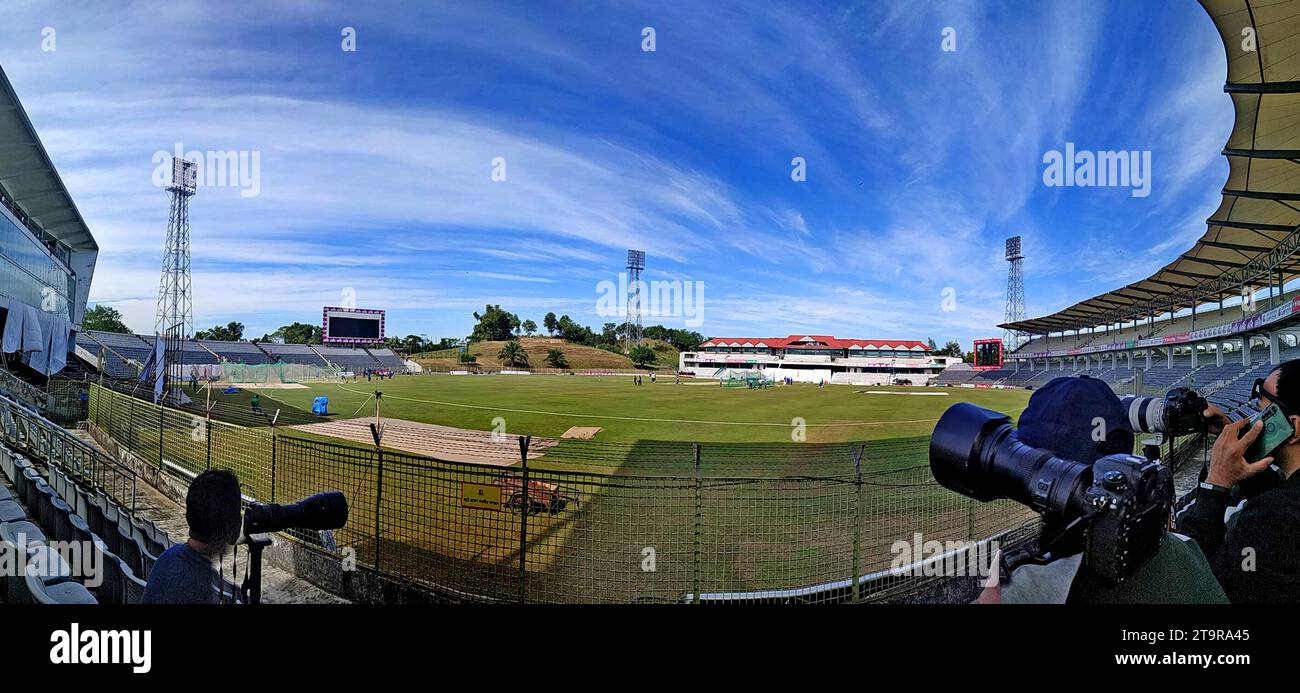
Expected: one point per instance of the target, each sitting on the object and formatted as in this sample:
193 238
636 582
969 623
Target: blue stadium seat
45 569
131 552
67 592
30 533
112 589
12 511
108 531
27 488
133 586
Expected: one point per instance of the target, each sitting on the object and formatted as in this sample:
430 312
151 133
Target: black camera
1115 510
323 511
327 510
1179 413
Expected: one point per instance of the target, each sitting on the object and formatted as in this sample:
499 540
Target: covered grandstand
47 254
1220 313
816 358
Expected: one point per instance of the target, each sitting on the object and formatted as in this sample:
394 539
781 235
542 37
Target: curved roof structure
1251 240
28 178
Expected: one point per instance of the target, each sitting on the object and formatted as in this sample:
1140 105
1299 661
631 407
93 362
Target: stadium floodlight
636 259
185 176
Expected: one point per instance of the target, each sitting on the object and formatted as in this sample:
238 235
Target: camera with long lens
1114 510
327 510
1179 413
323 511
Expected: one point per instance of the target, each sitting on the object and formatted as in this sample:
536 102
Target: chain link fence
687 523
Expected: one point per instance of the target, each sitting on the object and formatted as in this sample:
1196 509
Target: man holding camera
1255 553
1081 419
183 574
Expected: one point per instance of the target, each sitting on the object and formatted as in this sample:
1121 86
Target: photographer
1081 419
1256 553
183 574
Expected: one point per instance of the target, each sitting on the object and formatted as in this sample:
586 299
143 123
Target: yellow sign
480 496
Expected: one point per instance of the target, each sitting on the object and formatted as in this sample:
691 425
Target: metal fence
489 533
67 401
523 532
557 534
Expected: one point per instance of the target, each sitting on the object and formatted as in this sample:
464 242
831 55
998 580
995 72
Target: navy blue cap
1062 414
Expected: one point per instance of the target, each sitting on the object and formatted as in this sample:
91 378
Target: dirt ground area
442 442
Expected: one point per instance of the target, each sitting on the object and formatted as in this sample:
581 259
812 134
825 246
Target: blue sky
375 165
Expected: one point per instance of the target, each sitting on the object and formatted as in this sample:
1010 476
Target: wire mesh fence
680 523
68 401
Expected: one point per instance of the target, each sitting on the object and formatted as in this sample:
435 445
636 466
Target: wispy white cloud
376 166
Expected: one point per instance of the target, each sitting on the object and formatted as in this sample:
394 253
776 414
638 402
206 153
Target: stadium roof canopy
28 178
1251 240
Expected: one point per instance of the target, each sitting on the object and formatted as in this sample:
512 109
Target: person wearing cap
1081 418
1254 544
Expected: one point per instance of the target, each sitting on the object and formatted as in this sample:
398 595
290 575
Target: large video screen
352 326
988 353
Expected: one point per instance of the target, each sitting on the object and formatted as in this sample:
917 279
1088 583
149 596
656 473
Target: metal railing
45 441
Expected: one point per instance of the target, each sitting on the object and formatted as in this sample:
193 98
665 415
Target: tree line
495 324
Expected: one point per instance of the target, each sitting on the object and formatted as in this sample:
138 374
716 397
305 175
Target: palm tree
513 354
555 358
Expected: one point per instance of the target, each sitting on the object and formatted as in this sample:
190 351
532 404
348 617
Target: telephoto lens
974 452
328 510
1179 413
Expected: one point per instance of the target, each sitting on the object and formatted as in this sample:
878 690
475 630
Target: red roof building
816 358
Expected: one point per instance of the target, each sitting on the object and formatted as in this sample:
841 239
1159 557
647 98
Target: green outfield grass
768 513
694 411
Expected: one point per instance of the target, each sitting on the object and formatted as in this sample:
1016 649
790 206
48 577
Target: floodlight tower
632 327
175 321
1015 293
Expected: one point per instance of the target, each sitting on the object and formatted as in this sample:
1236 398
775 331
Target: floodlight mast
1015 311
632 327
175 317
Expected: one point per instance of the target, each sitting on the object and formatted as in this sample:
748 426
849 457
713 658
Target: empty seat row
46 576
152 539
126 546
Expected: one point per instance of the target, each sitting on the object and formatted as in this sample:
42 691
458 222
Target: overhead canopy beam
1263 153
1290 87
1250 225
1263 195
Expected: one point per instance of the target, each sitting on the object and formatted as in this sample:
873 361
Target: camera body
1132 497
1115 509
